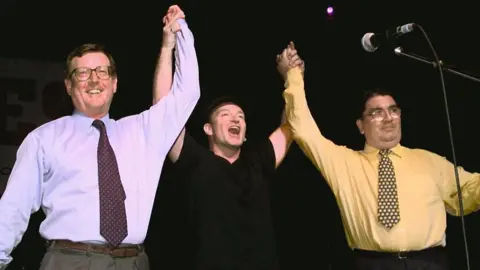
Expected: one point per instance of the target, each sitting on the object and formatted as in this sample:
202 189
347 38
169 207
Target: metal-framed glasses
379 114
85 73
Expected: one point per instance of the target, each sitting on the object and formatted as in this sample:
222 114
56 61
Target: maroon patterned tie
113 219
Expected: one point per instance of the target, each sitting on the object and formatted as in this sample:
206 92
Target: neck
384 146
97 116
228 153
94 114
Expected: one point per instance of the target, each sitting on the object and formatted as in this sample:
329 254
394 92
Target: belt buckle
48 243
401 255
118 252
111 250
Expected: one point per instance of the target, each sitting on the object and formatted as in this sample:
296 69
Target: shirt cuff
294 76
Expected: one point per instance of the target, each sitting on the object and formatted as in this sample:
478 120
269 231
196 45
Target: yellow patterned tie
388 208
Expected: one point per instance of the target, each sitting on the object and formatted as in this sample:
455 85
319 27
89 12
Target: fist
171 26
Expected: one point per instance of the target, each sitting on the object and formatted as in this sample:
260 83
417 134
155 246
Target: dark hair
371 94
218 102
89 48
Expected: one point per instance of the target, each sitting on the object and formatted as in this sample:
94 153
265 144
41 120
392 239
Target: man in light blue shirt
97 201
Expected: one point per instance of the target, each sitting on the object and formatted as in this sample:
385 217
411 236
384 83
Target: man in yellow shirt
393 199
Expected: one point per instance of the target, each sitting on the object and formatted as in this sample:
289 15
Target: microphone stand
399 51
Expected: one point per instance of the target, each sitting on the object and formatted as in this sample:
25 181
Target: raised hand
171 26
294 58
289 59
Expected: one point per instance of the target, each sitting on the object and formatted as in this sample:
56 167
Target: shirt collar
371 151
84 122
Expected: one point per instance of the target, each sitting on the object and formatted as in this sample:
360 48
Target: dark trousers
63 258
429 259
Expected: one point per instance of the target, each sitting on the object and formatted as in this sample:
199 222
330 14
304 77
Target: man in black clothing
230 194
228 185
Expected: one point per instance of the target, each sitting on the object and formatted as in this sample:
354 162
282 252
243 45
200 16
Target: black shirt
229 207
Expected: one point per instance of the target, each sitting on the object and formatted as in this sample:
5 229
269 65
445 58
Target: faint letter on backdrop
31 94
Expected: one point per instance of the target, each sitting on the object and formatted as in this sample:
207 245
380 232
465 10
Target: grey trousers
58 258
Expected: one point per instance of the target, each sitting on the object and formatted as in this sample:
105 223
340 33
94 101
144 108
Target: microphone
371 41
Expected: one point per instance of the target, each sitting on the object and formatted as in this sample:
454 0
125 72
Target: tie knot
385 152
99 125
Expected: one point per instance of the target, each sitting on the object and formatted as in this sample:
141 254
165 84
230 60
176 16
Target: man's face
91 85
228 126
381 122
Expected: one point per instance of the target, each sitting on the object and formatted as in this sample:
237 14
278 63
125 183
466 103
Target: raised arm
166 118
329 158
281 138
21 198
162 82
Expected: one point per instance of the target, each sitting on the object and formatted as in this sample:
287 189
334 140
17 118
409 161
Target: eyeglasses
84 73
379 114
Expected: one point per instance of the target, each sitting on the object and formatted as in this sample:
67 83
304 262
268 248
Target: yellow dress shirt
425 181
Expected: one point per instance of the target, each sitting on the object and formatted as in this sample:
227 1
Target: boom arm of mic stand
399 51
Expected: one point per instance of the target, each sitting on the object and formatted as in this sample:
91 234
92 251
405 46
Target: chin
96 106
389 143
236 143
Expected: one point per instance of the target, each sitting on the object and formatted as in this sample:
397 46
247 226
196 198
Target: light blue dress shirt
56 166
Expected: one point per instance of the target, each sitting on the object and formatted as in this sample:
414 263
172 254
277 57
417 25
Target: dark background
236 44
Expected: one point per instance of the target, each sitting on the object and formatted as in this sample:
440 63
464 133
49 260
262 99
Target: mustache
388 126
93 83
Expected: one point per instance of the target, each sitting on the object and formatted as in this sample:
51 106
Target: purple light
330 10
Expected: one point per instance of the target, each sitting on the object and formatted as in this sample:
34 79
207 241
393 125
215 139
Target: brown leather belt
121 251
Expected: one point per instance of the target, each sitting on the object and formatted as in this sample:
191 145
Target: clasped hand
171 26
288 59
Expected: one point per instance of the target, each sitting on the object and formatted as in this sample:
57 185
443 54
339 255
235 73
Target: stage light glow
330 11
